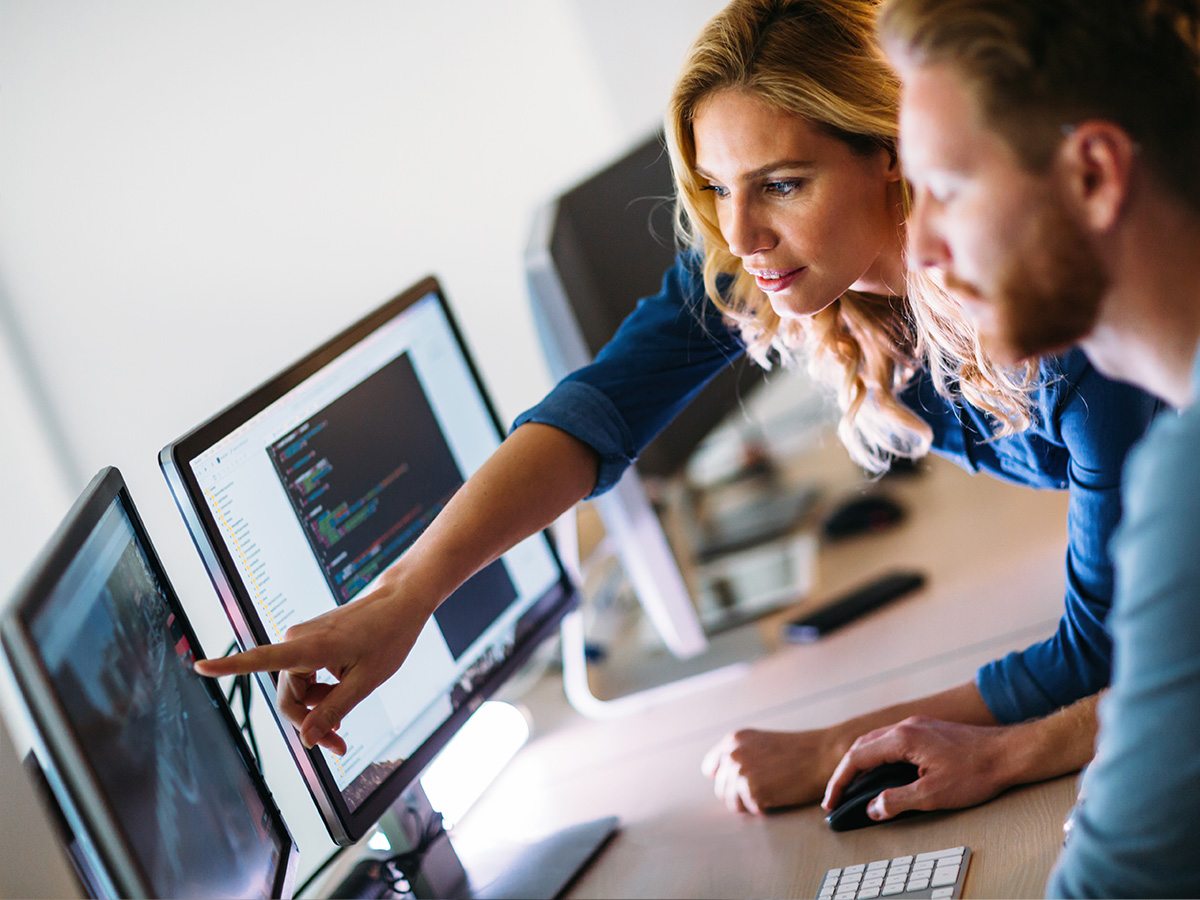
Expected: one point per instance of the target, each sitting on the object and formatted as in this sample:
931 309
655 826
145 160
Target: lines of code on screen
366 475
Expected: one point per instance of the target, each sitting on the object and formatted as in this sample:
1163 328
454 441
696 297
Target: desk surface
994 554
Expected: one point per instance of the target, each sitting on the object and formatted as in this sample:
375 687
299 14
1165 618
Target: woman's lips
772 282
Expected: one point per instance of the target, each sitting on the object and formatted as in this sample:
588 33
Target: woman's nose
746 231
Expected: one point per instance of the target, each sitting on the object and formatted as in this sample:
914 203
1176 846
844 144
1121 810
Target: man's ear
1096 159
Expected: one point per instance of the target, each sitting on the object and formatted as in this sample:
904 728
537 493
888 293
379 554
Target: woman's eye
784 188
716 189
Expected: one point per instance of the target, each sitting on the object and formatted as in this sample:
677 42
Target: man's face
1001 237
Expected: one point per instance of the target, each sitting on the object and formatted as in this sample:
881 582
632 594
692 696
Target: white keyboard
930 876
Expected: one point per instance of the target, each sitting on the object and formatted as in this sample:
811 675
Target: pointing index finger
269 658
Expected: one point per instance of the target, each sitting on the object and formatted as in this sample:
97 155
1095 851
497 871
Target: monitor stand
439 864
576 684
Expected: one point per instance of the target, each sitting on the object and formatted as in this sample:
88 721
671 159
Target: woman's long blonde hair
818 59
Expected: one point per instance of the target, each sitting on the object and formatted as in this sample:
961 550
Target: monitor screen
142 755
300 495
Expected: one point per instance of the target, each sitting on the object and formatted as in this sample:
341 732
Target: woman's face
808 217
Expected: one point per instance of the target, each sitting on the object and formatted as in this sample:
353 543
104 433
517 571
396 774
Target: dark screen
612 240
162 753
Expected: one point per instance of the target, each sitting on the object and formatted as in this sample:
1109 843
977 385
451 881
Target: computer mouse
851 813
859 515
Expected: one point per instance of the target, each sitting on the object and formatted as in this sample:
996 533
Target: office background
192 195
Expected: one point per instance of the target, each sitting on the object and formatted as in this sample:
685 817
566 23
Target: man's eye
938 192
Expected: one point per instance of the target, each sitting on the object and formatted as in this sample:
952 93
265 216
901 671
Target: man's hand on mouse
960 765
754 771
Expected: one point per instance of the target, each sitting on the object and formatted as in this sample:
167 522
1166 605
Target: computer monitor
300 494
141 756
594 251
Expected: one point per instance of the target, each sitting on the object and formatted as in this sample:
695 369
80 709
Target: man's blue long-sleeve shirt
675 342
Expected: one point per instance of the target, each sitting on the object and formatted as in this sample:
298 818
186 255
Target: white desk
994 554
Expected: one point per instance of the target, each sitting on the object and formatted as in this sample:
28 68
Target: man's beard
1048 294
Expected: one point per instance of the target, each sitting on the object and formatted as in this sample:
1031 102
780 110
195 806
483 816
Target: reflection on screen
162 753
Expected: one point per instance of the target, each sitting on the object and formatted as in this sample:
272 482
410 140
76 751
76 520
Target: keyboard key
892 888
849 895
855 870
877 865
941 893
902 861
868 893
944 876
918 883
940 854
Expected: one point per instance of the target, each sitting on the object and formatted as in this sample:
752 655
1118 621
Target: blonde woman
782 134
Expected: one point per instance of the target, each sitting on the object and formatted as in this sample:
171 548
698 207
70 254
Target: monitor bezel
345 826
112 861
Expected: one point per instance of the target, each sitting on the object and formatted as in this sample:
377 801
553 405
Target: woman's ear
893 168
1096 160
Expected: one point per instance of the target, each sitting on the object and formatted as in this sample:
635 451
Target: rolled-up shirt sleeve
1098 421
661 357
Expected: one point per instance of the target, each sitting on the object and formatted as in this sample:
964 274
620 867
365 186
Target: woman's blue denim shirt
674 342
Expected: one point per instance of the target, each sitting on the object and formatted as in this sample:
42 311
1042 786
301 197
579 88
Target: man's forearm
962 703
1054 745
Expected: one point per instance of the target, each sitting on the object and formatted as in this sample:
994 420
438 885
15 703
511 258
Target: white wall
194 194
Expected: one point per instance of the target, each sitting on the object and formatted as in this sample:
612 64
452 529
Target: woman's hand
361 644
535 475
